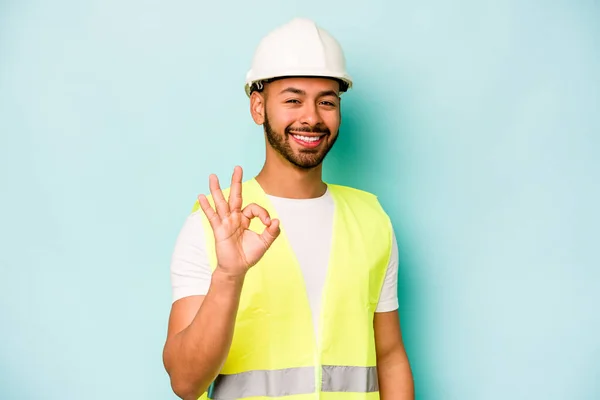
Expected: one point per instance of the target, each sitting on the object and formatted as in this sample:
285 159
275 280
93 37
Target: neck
280 178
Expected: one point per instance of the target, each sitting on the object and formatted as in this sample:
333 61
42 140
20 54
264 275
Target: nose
310 115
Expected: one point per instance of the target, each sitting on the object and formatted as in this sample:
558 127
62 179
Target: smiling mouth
308 140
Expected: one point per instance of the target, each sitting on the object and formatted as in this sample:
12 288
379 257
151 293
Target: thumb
271 232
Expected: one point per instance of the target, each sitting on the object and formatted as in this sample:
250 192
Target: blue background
476 122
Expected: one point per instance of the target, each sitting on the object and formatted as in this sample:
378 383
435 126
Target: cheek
332 121
280 118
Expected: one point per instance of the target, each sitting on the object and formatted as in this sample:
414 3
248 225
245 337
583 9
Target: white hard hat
298 48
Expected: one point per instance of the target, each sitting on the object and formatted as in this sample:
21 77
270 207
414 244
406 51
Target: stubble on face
302 158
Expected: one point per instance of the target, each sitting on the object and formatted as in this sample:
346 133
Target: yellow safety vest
274 353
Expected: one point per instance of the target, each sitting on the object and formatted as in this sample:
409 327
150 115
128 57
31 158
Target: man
285 286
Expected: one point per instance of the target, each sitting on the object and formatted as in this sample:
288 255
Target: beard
302 158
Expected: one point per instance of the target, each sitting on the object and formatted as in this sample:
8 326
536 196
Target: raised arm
201 327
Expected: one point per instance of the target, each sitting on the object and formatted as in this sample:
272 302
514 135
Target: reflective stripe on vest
350 379
294 381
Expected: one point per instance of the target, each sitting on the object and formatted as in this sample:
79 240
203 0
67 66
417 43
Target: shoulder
364 207
357 198
351 191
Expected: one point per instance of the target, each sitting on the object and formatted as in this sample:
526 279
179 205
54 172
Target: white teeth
306 138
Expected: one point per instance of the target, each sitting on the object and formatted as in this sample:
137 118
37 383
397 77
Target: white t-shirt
308 224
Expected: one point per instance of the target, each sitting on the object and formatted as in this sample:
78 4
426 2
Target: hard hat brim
345 79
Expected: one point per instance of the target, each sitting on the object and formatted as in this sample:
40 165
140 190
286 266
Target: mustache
319 128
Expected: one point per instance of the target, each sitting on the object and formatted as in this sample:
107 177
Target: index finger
235 194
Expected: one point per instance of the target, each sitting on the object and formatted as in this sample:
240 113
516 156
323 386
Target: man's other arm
393 367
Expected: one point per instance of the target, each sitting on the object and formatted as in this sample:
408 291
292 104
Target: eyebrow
303 93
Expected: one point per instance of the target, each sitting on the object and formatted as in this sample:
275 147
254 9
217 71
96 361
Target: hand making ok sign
237 247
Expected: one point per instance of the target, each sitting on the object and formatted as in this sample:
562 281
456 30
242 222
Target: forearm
195 355
395 377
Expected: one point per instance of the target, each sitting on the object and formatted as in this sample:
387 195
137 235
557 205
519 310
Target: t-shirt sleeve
190 266
388 299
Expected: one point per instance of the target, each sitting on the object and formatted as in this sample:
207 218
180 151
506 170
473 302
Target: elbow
182 384
186 390
184 393
188 381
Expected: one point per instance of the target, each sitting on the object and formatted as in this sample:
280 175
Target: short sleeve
190 266
388 300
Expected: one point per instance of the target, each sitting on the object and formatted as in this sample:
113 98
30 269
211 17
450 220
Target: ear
257 107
